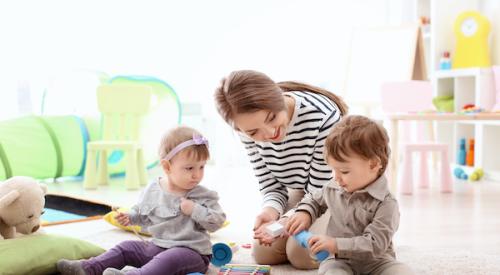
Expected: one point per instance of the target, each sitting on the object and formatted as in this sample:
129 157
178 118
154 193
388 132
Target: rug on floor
61 209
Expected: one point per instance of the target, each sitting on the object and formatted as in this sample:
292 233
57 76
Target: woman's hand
266 239
267 215
322 242
123 218
265 218
298 221
187 206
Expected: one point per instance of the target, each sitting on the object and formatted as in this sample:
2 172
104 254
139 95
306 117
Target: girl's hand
123 218
187 206
298 221
322 242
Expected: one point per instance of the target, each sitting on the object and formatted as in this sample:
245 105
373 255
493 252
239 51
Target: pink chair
496 73
408 97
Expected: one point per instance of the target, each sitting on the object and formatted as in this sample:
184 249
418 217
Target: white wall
191 44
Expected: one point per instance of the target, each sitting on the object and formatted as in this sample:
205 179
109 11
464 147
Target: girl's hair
177 136
361 136
249 91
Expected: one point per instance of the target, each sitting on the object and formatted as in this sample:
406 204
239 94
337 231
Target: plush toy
22 201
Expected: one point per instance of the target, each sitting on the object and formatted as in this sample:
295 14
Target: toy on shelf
303 238
476 175
222 253
460 173
471 109
461 152
444 103
445 61
275 229
242 269
470 153
471 30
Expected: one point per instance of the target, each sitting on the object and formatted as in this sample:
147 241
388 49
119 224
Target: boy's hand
322 242
187 206
298 221
123 218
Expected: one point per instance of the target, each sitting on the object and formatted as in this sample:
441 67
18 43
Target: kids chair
122 107
415 96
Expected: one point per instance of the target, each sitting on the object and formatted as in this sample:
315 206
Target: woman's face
263 125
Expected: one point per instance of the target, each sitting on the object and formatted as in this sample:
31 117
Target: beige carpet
435 261
422 261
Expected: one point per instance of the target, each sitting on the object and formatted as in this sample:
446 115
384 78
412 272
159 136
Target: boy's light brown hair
361 136
177 136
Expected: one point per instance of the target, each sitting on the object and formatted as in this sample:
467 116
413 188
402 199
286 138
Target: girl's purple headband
196 140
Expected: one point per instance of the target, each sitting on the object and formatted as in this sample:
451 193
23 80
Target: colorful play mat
61 209
53 145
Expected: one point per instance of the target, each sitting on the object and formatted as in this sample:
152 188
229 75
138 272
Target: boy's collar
378 189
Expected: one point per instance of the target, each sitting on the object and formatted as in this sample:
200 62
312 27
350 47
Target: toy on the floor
303 238
22 200
222 253
476 175
275 229
242 269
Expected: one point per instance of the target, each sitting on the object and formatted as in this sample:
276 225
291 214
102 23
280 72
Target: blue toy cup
221 254
303 237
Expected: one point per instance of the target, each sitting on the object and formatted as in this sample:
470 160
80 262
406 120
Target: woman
283 127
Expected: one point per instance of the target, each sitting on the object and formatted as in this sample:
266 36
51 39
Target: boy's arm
376 237
314 204
208 212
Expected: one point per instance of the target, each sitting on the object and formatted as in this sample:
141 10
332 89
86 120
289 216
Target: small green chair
122 107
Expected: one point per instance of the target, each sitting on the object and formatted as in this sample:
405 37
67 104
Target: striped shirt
297 162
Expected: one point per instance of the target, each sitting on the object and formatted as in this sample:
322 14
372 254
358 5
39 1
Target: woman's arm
275 195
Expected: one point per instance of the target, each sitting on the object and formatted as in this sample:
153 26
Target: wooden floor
468 218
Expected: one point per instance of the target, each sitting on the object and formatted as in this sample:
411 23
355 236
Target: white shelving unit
467 86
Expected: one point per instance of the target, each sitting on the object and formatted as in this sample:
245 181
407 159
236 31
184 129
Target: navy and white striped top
297 162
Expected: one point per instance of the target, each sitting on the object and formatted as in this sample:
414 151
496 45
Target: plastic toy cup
303 237
222 253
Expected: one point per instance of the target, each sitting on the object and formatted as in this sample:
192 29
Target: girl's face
183 173
355 173
265 125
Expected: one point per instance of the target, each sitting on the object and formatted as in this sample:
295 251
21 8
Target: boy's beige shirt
363 222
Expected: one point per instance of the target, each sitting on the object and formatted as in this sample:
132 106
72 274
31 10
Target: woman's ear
166 166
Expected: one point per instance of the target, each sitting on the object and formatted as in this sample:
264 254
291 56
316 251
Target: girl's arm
208 213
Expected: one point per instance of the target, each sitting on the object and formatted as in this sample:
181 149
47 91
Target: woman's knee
298 256
270 255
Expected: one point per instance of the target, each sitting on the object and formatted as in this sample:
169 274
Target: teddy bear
22 200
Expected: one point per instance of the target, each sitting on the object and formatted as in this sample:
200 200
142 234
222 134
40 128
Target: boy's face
355 173
184 173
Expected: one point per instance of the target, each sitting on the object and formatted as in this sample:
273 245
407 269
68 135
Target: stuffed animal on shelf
22 200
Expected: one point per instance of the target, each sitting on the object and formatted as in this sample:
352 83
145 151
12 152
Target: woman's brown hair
248 91
177 136
361 136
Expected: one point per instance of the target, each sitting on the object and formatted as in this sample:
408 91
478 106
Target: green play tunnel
44 146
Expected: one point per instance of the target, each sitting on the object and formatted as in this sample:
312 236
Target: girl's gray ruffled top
160 214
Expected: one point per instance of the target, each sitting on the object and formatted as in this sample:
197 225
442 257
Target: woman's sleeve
274 194
320 173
